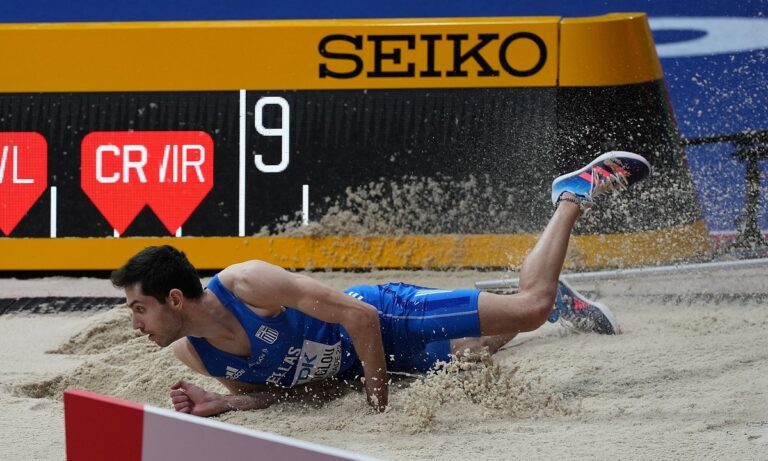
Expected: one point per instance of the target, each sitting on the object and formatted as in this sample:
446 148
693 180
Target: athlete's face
161 321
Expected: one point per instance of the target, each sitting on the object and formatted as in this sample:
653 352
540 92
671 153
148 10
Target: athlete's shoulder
245 267
255 284
236 273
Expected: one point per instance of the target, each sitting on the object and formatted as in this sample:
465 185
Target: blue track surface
714 54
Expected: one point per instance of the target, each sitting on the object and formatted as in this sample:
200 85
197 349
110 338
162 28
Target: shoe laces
580 324
612 182
573 320
567 300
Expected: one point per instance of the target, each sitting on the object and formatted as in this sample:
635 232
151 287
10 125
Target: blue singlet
293 348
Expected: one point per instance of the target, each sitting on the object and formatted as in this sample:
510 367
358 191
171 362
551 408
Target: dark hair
159 269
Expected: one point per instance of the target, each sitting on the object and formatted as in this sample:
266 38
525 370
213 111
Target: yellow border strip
353 252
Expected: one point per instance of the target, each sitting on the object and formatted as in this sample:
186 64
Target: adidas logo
355 295
267 334
234 373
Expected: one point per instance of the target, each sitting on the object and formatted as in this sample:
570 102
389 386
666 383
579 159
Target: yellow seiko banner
266 55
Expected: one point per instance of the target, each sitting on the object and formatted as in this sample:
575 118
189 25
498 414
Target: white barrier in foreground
603 275
101 428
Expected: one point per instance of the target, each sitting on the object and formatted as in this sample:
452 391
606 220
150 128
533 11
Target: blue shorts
417 323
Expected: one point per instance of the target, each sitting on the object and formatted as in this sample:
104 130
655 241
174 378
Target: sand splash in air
416 205
483 383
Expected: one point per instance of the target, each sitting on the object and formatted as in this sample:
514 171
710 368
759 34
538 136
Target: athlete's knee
538 306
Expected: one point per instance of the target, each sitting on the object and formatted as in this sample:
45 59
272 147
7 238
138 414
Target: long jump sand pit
687 379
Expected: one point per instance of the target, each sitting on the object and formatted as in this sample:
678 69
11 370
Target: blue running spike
609 172
582 314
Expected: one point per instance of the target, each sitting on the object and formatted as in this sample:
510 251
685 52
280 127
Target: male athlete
258 328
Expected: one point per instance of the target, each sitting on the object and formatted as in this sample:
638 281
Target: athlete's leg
503 316
531 305
572 192
500 317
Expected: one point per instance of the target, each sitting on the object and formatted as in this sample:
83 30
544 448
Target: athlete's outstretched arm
189 398
271 287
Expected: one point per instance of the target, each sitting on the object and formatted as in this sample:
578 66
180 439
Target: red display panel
23 175
124 171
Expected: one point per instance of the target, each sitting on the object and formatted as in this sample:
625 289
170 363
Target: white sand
688 379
